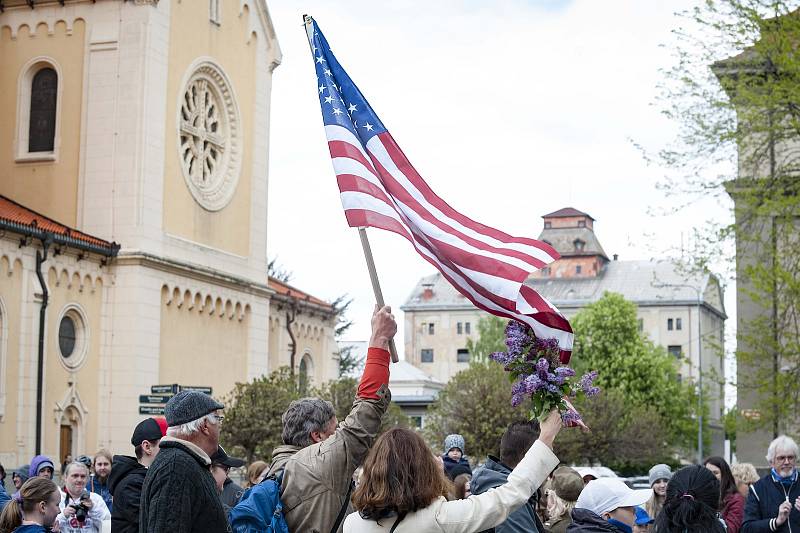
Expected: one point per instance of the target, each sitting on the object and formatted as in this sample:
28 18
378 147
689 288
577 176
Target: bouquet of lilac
538 374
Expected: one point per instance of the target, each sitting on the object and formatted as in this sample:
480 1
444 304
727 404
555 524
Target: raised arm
491 508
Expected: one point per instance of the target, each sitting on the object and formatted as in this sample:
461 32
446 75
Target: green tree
475 403
252 427
342 392
734 94
607 340
491 338
622 436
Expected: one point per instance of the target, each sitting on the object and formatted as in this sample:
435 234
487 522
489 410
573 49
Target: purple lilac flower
570 417
516 337
585 383
533 383
517 399
501 357
561 375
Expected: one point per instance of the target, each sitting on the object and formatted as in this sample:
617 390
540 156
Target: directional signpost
153 403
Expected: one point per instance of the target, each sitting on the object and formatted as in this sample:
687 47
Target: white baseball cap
606 494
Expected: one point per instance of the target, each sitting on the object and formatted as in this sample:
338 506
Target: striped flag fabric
380 188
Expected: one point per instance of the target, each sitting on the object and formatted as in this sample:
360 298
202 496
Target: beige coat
476 513
316 478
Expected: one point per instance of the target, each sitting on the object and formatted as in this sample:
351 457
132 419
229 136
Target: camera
81 510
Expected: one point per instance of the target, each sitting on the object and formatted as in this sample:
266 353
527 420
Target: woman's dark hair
691 503
31 493
400 476
727 485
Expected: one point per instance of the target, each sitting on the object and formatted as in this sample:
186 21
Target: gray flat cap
189 405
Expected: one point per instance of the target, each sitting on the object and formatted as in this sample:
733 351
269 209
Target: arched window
42 119
303 373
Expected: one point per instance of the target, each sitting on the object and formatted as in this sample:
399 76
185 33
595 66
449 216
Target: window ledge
35 157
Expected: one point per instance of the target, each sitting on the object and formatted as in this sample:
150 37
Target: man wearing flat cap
128 473
179 494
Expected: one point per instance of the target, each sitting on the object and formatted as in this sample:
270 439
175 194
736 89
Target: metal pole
376 286
700 384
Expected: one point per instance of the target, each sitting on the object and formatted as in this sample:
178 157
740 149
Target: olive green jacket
317 478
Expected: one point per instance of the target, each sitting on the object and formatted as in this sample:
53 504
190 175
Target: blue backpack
260 509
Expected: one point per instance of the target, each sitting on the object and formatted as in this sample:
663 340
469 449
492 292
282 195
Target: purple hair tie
18 498
687 495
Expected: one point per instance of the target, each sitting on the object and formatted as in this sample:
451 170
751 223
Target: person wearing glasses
179 492
772 504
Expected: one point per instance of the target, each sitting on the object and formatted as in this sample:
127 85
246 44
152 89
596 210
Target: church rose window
210 138
42 120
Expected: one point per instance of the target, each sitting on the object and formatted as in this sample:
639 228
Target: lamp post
698 303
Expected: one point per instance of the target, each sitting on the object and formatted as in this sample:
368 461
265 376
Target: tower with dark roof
571 233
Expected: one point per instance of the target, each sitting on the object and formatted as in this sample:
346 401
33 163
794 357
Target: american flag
380 189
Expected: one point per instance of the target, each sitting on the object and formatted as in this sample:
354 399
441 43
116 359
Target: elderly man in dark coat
179 494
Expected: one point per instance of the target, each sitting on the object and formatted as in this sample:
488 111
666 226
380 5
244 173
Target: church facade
133 201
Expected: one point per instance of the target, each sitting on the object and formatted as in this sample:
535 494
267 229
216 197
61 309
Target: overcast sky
508 109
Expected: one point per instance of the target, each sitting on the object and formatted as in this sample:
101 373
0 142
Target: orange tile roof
23 218
287 290
567 212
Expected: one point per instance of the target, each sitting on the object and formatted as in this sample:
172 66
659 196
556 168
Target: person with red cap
127 474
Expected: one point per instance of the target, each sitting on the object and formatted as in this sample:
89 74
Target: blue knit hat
454 441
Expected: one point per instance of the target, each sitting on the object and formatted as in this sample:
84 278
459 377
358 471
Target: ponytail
32 492
691 503
11 517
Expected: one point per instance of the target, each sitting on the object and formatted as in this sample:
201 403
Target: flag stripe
396 154
380 188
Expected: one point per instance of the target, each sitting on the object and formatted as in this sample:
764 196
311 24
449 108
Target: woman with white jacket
403 488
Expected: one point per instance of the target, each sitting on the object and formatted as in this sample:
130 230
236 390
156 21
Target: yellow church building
133 214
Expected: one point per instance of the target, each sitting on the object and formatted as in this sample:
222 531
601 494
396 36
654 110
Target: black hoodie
125 483
585 521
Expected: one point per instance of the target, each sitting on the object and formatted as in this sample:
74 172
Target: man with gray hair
319 455
179 494
771 501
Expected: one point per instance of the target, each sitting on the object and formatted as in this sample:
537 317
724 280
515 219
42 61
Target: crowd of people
332 476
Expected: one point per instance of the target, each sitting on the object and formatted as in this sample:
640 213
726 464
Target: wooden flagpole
362 232
376 285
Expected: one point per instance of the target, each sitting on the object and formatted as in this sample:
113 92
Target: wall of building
445 340
231 45
49 186
314 337
203 340
567 267
568 222
11 304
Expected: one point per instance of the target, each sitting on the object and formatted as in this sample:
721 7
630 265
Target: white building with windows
672 307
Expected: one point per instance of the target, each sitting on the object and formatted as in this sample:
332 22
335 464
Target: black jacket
231 492
179 494
494 474
125 483
585 521
765 496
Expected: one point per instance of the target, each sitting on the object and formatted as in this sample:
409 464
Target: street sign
151 410
204 390
165 389
154 398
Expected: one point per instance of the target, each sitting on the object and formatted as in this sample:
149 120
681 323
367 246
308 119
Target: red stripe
345 149
408 170
360 217
398 191
351 183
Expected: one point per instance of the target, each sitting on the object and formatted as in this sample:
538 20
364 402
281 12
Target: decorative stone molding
71 398
209 131
199 302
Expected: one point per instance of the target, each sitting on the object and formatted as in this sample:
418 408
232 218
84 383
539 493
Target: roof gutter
57 239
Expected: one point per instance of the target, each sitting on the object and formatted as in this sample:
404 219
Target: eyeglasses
785 458
218 418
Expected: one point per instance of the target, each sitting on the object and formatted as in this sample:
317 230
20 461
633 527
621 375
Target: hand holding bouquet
540 377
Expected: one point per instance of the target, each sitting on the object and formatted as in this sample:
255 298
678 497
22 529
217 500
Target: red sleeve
376 373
